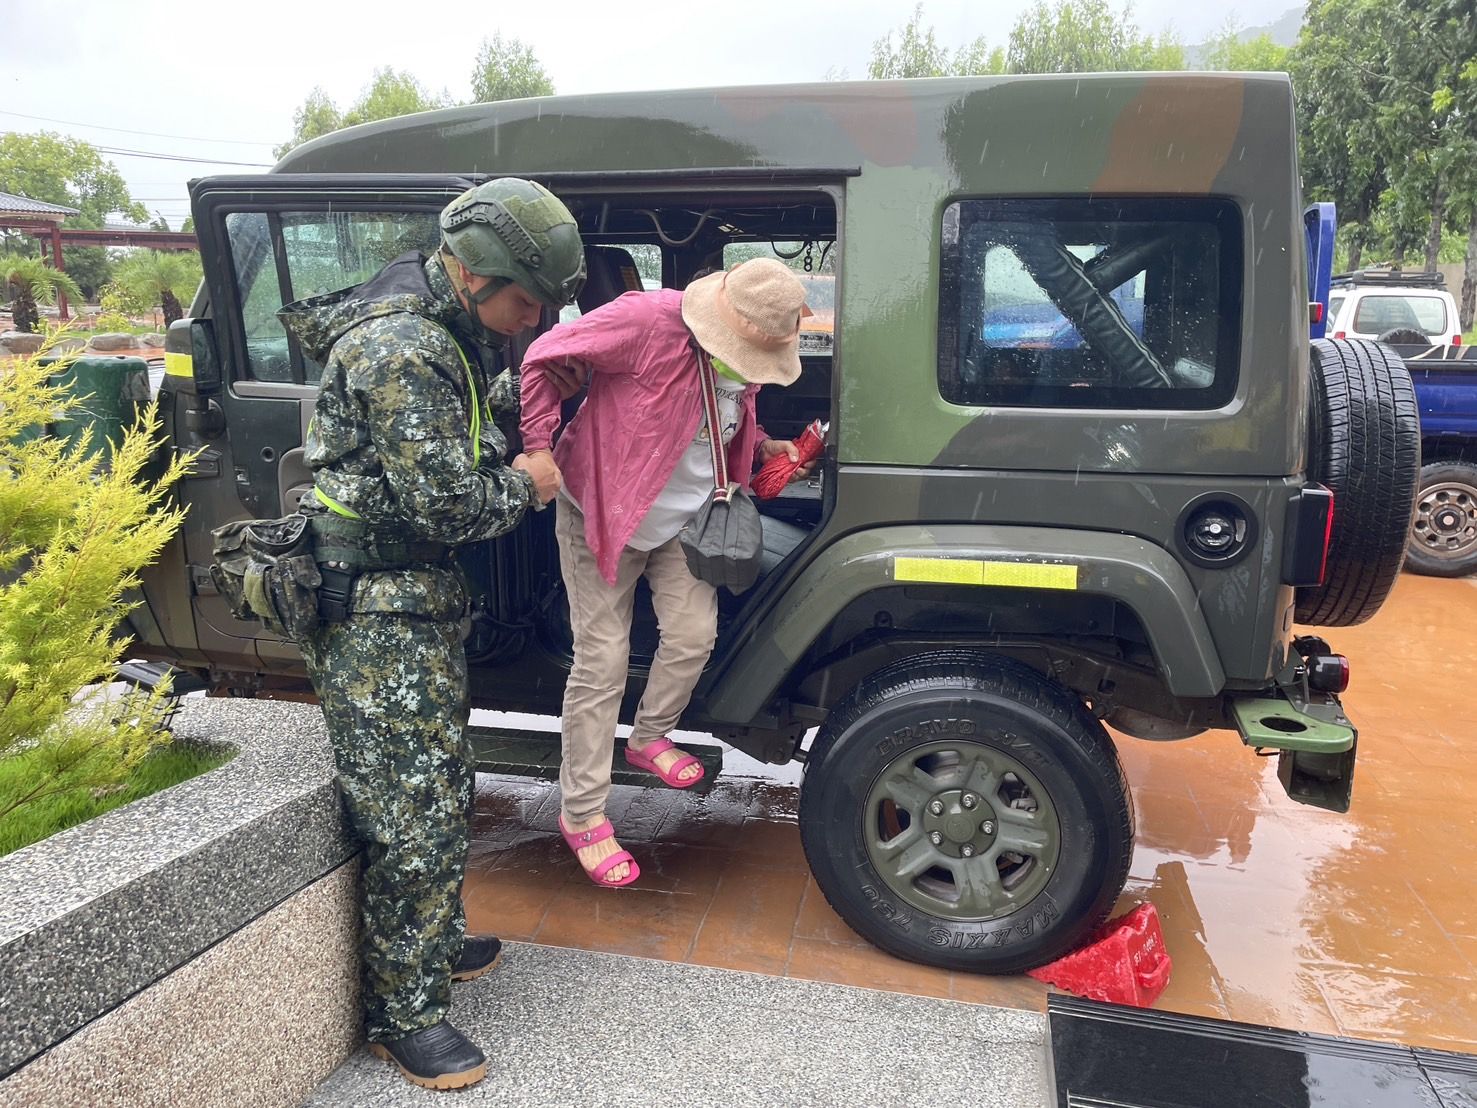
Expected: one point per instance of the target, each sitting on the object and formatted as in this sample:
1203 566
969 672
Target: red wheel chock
1124 963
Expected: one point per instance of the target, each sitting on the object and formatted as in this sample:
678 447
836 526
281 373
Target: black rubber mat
1107 1056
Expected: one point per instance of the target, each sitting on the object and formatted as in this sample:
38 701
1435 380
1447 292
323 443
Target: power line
176 157
126 131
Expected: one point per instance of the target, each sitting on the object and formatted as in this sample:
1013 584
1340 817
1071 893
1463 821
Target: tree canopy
388 94
57 170
506 69
1085 36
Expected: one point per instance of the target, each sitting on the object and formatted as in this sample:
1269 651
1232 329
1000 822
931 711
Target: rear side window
1090 303
279 257
1379 312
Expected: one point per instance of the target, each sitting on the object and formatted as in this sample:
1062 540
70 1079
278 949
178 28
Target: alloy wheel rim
961 830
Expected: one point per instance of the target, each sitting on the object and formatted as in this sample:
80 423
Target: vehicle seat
610 271
780 538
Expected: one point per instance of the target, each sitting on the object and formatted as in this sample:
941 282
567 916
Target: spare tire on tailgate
1364 443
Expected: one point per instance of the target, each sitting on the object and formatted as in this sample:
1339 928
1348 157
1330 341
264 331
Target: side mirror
191 365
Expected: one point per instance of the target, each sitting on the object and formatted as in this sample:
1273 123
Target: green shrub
75 530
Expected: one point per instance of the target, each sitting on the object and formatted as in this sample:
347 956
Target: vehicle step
1275 723
536 754
148 675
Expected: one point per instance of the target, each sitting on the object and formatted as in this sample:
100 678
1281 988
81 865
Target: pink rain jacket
642 411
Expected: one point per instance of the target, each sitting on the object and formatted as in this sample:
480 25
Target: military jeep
1085 466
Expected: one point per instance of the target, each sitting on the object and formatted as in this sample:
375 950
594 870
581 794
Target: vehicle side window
1090 303
286 256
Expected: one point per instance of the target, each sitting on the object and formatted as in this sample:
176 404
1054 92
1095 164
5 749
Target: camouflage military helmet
518 231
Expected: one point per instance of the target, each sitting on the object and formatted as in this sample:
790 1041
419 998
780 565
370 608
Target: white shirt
691 483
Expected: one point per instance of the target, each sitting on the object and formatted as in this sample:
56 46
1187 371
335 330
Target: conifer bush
75 530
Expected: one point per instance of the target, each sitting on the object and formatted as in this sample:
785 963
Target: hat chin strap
481 333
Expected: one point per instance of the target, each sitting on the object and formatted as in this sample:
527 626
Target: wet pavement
1362 924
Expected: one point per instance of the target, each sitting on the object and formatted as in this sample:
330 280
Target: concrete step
572 1027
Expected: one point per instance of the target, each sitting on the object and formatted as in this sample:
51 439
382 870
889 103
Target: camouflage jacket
392 440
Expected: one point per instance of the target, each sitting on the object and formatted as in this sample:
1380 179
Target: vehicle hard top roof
1203 121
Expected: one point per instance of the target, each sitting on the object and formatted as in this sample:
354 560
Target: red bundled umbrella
775 474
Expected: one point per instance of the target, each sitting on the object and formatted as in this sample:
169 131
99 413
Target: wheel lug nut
988 827
936 837
937 807
970 800
967 850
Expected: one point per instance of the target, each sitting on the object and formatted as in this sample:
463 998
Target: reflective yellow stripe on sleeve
334 506
975 571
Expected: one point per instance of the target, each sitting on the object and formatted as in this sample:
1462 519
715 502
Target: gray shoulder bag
724 542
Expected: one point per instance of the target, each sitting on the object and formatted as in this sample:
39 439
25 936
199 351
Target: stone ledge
260 1018
93 915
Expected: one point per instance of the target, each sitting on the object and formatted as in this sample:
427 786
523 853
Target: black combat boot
435 1057
480 953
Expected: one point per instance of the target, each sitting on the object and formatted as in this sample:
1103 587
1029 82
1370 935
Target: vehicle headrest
611 271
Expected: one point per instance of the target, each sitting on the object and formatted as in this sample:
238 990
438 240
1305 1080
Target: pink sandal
578 840
646 757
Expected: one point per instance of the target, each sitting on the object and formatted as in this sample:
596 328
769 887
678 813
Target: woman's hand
771 448
569 376
546 476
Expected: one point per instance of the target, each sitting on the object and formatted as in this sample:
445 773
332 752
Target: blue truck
1443 530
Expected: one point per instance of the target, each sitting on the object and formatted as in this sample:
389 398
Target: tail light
1328 673
1456 340
1315 311
1309 532
1327 540
1339 335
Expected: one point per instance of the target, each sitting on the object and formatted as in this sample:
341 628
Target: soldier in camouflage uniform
407 465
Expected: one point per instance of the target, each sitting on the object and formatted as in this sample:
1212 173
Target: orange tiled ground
1364 924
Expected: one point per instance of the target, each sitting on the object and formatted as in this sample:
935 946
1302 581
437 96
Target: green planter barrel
112 389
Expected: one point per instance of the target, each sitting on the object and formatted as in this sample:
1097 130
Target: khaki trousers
687 615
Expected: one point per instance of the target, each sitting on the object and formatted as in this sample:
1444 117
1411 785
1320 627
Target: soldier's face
507 311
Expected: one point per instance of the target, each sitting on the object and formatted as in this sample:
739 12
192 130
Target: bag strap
715 424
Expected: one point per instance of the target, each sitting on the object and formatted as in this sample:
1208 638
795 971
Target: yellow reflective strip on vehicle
938 571
334 506
179 365
974 571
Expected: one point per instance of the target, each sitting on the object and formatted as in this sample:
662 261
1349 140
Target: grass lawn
168 765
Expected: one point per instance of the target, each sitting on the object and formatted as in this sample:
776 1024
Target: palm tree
160 277
29 282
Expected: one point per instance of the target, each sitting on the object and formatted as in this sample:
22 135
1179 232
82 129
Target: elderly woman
637 466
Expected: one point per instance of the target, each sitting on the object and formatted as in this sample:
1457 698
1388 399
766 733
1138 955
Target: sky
220 81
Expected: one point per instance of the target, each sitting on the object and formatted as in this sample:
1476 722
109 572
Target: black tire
962 720
1405 336
1364 443
1443 532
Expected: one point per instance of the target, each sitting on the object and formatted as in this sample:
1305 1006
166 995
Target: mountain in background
1283 31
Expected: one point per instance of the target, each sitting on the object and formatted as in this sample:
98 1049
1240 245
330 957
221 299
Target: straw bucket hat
749 318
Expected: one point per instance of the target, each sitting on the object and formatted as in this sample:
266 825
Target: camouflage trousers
394 695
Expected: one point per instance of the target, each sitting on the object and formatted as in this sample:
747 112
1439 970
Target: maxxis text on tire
898 762
1364 444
